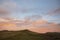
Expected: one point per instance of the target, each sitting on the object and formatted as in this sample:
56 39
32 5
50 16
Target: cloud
51 27
3 12
7 7
40 25
8 4
54 12
33 17
33 23
4 20
26 10
9 26
13 6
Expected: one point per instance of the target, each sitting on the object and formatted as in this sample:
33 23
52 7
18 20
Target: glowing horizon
36 15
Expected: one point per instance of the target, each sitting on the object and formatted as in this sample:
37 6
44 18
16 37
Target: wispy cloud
40 26
45 27
54 12
33 17
33 22
7 6
4 12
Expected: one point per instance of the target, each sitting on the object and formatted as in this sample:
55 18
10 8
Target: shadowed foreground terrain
28 35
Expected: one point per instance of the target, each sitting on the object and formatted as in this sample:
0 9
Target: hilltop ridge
28 35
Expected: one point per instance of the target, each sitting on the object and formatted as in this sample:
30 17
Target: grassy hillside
28 35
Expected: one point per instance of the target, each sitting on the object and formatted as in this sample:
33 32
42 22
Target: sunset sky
35 15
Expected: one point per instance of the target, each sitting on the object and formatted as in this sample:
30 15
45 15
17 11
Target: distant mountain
28 35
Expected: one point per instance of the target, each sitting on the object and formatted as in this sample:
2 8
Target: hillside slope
28 35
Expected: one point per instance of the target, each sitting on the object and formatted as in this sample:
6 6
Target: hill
28 35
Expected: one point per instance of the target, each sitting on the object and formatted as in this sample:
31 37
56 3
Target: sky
30 13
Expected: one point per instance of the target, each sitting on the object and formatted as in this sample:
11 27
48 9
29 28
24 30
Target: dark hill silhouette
28 35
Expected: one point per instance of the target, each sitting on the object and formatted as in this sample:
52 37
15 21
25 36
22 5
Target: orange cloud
48 27
40 26
7 25
10 27
39 22
40 30
10 24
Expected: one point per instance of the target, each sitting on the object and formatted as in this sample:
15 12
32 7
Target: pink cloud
48 27
40 26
